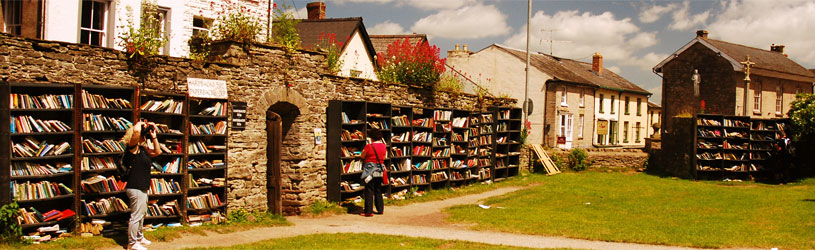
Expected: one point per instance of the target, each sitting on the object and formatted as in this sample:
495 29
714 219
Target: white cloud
762 23
386 28
470 22
682 20
654 13
647 61
361 1
435 4
301 13
615 69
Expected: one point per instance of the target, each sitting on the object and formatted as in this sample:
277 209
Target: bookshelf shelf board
399 157
762 140
51 157
350 141
102 193
170 155
102 154
456 154
423 142
103 131
423 127
169 134
439 169
204 169
96 171
764 130
737 127
201 188
399 186
144 112
401 127
738 138
708 159
356 124
352 191
165 195
420 184
205 135
58 197
353 173
208 117
457 180
209 209
43 133
42 176
708 137
89 110
762 150
398 172
162 217
378 117
39 110
422 156
714 148
43 224
153 174
111 214
208 154
736 149
438 181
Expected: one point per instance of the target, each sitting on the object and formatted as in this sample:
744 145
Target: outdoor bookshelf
428 148
206 163
506 144
39 152
107 112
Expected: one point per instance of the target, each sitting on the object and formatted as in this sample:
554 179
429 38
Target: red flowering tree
408 63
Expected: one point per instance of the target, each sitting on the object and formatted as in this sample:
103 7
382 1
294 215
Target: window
12 16
625 132
563 97
565 129
200 26
626 105
779 100
601 104
92 29
160 21
612 131
580 127
637 133
562 128
582 97
639 106
757 98
612 103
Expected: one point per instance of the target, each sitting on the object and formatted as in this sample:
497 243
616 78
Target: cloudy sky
632 36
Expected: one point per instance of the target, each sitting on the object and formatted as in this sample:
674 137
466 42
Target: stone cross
696 79
747 65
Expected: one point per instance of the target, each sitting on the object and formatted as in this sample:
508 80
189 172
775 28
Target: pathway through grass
647 209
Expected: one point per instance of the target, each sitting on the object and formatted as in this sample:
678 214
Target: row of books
215 182
38 190
709 156
400 165
440 142
439 164
209 128
163 186
418 179
166 105
486 118
460 122
99 122
485 130
92 145
728 145
167 146
352 166
707 145
459 150
442 153
170 208
163 128
425 165
485 173
96 101
736 156
348 121
49 101
762 137
503 115
378 125
459 137
214 218
443 127
423 122
31 147
403 137
27 124
438 176
400 121
352 136
219 109
709 132
735 134
399 181
204 201
422 137
459 175
473 132
485 140
348 187
171 167
198 147
473 120
422 150
94 163
32 216
192 164
102 184
473 143
736 123
708 122
501 139
443 115
484 151
35 168
104 206
350 151
399 151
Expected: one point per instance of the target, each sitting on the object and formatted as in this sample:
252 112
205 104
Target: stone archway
281 107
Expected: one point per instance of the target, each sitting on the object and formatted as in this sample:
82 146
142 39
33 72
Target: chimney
458 52
316 10
699 33
464 47
597 63
457 48
777 48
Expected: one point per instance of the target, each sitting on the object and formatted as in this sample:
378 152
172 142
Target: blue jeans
138 209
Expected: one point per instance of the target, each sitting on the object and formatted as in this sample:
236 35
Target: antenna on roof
551 41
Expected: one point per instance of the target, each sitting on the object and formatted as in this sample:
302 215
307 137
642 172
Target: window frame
779 100
103 31
601 104
563 100
627 105
207 23
613 99
582 97
637 132
639 106
582 118
12 17
625 131
757 98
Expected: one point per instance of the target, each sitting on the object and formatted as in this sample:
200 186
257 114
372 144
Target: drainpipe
269 22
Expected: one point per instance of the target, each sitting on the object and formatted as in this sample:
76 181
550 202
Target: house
723 85
381 42
357 53
654 117
101 22
581 102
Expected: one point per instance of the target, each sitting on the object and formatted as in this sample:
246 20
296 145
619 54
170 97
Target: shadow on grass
810 200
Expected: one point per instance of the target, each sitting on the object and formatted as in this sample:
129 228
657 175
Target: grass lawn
634 207
362 241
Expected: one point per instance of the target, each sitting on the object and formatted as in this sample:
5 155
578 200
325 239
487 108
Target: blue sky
633 36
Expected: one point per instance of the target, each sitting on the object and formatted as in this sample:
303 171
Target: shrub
9 229
408 63
236 23
283 29
328 43
199 46
558 162
147 39
322 207
449 82
578 159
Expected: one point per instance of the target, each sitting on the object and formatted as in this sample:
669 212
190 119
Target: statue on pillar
696 79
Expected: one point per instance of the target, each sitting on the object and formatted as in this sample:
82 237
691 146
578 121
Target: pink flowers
404 62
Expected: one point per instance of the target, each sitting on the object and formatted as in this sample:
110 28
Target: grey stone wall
609 158
262 76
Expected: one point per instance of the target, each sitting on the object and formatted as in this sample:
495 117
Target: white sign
207 88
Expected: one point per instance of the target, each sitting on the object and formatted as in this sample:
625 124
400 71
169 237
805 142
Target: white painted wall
610 113
62 21
355 57
632 118
502 73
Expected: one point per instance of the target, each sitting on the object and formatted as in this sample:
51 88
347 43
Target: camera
146 129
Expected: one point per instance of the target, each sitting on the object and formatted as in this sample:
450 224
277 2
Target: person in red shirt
373 157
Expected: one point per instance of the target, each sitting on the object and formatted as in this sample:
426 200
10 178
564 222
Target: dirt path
417 220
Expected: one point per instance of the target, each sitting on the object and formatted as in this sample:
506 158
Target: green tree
802 116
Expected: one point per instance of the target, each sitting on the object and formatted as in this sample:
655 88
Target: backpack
122 169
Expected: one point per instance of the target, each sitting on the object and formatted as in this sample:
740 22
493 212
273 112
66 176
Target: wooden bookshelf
460 171
399 150
206 164
14 100
441 147
485 146
423 126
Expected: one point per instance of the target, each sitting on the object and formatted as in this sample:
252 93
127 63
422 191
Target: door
274 139
565 130
612 138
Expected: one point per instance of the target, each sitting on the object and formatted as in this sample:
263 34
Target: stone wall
609 158
264 77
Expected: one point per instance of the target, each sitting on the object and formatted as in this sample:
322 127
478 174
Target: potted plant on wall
143 43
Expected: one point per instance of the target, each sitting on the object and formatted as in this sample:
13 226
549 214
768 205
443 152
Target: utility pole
526 84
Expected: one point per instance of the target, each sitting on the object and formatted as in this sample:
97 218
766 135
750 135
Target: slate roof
767 63
577 72
343 28
653 105
381 42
